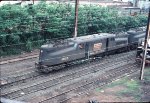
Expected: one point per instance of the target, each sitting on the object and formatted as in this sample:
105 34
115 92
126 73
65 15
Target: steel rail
105 75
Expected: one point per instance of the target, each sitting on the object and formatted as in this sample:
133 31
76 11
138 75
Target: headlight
41 51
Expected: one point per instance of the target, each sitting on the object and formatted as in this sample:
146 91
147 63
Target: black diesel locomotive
52 56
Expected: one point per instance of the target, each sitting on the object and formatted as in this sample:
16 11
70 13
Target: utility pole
136 3
76 18
145 46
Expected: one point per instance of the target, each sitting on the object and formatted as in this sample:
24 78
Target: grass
98 89
132 87
110 85
147 78
147 74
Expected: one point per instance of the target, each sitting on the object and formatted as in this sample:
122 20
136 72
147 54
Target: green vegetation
26 28
147 74
132 89
118 82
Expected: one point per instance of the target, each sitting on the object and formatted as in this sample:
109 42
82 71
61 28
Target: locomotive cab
51 54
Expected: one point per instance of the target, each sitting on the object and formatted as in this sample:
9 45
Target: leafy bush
47 21
29 46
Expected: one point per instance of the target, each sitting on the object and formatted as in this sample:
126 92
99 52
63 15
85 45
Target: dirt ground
127 89
23 54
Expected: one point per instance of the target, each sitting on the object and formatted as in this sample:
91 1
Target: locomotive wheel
45 69
138 61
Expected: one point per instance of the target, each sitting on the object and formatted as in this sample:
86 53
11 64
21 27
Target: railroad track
22 92
21 77
10 73
30 56
63 91
89 84
18 68
25 76
12 80
55 81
